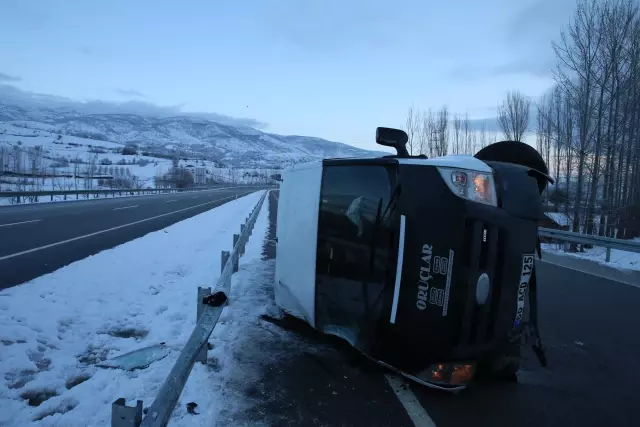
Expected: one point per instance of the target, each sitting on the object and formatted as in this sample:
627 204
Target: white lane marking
125 207
18 223
635 285
416 412
396 289
170 201
62 242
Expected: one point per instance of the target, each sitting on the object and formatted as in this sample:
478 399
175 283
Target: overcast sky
329 68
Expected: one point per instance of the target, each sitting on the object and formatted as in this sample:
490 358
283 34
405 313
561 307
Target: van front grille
483 253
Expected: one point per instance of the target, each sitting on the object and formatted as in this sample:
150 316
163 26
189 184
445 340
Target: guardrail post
126 416
608 256
236 237
241 248
202 292
224 258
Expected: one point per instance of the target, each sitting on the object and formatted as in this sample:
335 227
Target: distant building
200 176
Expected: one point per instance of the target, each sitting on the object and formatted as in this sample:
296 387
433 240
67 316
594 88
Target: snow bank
621 260
54 329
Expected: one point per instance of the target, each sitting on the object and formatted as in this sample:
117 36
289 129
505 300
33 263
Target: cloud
12 95
540 68
130 92
334 26
7 78
531 31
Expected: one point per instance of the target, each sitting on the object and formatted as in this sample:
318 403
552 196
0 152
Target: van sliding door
355 249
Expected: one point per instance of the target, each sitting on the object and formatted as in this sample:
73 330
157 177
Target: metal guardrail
114 192
606 242
209 308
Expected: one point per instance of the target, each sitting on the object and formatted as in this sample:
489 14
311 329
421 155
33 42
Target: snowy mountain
191 137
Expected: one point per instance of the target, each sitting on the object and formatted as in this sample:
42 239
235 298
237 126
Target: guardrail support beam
202 292
608 256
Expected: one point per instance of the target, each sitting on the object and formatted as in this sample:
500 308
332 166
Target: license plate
525 276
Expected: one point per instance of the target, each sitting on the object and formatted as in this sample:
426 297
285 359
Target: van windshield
355 249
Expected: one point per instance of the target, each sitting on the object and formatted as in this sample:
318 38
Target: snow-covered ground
54 161
619 259
54 329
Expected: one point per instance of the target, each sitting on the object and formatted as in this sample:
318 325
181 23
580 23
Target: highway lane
39 239
42 221
589 325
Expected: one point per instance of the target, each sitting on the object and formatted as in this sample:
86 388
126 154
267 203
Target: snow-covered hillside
61 149
191 137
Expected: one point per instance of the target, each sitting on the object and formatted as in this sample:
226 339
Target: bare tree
412 125
430 134
76 172
577 53
457 137
423 134
513 115
469 140
90 171
442 145
482 139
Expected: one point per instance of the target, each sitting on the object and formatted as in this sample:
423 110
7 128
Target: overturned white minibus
422 264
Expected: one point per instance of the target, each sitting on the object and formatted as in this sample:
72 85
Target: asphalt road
37 239
590 328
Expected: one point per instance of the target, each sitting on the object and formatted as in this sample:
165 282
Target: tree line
587 126
438 133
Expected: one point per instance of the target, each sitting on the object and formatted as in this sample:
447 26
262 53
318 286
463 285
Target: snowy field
52 161
54 329
622 260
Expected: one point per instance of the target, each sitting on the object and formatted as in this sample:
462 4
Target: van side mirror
395 138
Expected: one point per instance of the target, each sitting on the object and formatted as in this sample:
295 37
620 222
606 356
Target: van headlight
471 185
